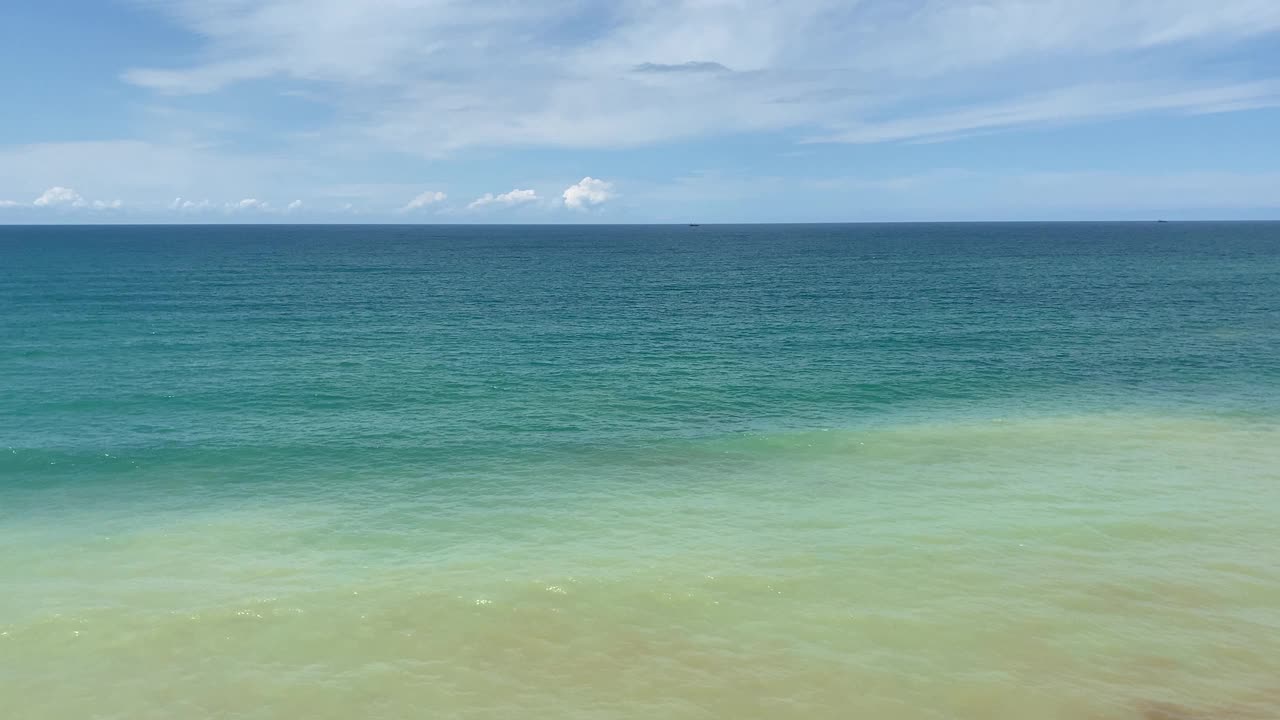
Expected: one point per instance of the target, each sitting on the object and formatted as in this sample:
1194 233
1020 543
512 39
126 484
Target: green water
934 471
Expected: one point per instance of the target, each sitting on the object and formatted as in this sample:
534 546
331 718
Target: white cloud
294 206
64 197
515 197
1062 106
429 197
9 204
432 77
588 191
190 205
427 76
59 196
248 204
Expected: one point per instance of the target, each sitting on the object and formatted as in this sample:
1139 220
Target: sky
601 111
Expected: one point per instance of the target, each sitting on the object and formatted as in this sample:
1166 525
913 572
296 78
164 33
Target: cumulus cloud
586 192
65 197
294 206
59 197
9 204
248 204
515 197
429 197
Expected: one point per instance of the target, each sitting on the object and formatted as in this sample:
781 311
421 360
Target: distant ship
694 225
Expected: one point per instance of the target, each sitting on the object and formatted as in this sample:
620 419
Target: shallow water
956 471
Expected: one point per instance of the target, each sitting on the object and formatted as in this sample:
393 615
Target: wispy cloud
232 207
693 66
189 205
490 93
430 197
1059 107
515 197
428 77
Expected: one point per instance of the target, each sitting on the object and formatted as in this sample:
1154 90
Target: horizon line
1153 221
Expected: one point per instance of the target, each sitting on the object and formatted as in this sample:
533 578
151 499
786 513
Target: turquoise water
899 471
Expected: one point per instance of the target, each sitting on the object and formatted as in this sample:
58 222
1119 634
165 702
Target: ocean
900 472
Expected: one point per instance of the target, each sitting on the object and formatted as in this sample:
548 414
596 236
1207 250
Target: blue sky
638 110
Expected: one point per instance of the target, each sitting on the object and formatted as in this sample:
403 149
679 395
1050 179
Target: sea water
1015 471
